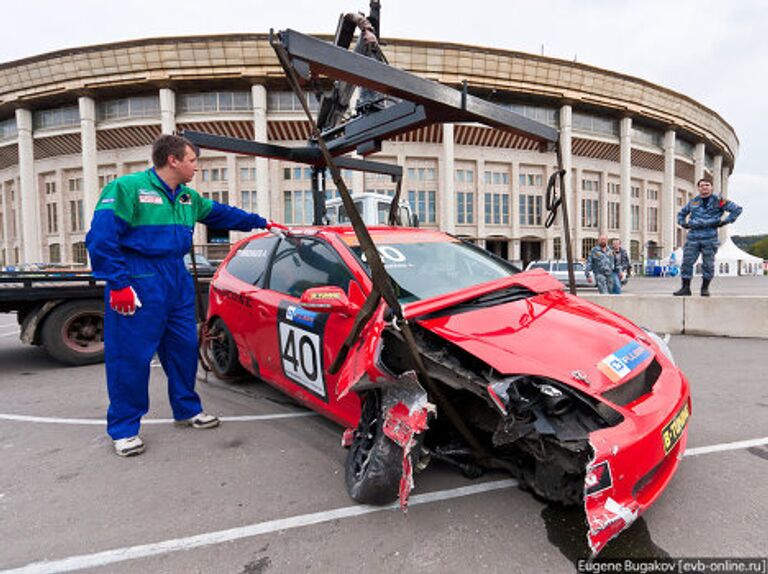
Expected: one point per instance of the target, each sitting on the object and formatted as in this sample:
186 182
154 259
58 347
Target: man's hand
276 228
124 301
722 222
685 225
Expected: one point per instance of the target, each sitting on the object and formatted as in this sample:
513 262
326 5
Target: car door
298 344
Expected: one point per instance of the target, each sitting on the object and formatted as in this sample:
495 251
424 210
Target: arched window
727 269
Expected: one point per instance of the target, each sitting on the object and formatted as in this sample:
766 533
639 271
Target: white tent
730 261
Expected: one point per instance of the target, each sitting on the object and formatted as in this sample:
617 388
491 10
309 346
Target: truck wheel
73 332
374 462
221 351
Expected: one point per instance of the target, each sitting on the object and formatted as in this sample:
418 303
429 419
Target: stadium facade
72 120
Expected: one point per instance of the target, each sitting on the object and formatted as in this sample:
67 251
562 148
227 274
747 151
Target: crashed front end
601 423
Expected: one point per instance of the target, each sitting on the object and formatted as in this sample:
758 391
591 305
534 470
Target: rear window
250 262
543 265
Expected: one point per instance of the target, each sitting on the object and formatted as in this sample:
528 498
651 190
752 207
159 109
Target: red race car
578 403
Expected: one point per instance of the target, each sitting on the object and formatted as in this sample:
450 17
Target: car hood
551 334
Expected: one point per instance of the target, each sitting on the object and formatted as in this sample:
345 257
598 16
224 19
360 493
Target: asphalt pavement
265 493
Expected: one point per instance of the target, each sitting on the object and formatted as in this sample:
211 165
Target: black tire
374 462
221 351
73 332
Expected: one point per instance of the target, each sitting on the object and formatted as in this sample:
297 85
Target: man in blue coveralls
141 230
706 211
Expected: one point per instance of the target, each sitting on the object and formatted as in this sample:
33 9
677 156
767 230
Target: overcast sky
711 50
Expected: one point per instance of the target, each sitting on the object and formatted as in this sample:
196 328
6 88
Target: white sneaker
200 421
130 446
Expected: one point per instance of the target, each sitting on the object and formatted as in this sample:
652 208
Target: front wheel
374 462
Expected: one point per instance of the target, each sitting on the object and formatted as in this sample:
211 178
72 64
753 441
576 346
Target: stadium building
72 120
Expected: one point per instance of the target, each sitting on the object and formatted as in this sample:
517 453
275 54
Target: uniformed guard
702 215
600 262
141 230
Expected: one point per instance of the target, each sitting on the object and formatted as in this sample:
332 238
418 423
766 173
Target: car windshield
428 269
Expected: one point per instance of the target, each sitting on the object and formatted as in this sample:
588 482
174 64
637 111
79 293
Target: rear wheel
73 332
374 462
221 351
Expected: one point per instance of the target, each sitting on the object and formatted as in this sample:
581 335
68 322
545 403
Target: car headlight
662 345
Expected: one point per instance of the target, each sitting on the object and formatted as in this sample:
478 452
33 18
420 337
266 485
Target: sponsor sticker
621 363
324 296
673 430
185 199
300 316
107 200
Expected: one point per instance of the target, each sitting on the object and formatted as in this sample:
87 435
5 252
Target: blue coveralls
705 217
140 232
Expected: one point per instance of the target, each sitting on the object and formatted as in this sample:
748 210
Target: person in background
621 266
702 216
600 262
141 229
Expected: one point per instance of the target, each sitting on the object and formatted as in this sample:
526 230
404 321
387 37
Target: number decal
300 353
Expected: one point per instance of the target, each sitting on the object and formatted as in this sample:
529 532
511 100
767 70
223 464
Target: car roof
379 233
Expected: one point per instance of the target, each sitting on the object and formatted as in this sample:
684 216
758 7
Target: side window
250 262
562 267
544 266
310 263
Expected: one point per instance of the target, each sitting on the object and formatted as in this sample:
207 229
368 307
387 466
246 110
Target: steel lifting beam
307 155
441 103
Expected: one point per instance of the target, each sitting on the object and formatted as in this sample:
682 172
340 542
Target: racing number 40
300 353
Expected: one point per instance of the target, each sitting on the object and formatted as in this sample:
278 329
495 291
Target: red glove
277 228
124 301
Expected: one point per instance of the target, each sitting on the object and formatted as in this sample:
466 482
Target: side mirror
328 300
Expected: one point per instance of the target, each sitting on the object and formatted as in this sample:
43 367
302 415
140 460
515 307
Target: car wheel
73 332
221 351
374 462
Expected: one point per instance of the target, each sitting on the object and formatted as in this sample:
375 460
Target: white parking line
9 333
207 539
102 422
726 446
189 542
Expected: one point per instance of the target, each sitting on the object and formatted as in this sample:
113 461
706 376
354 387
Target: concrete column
668 209
167 110
447 199
725 178
570 193
723 175
717 175
514 211
625 203
90 165
575 215
643 219
698 162
481 232
549 232
6 243
602 226
28 204
259 97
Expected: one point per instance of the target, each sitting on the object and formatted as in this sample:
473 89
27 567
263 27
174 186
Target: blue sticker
300 316
632 354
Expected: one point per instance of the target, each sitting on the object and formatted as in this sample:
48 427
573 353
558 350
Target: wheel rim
219 348
84 332
366 435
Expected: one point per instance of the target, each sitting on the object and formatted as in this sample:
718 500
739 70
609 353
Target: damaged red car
578 403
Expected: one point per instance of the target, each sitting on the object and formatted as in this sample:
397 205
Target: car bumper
638 463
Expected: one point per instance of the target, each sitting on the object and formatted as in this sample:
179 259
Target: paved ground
279 484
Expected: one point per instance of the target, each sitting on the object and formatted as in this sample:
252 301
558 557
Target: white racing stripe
190 542
102 422
726 446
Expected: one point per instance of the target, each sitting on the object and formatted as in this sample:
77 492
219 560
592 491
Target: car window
544 265
305 263
249 264
428 269
382 209
562 266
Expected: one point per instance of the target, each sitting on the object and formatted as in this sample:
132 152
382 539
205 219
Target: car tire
73 332
374 462
221 351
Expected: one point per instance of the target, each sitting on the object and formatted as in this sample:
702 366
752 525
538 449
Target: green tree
759 249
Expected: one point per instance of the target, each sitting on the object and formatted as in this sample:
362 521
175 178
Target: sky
713 51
